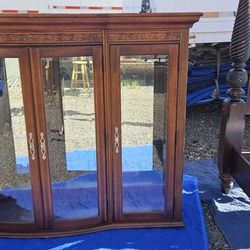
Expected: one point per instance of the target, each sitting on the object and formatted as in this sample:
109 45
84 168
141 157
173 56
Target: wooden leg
226 182
231 133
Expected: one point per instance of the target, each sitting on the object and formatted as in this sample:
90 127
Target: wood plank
240 170
116 132
25 23
180 123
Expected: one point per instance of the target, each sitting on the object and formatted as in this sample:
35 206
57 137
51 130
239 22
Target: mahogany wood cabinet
92 121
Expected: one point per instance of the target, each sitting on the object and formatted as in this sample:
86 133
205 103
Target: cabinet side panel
181 117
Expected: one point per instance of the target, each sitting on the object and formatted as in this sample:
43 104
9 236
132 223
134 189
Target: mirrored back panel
143 80
68 84
16 203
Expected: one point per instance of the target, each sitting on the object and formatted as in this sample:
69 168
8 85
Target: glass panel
70 116
143 115
15 187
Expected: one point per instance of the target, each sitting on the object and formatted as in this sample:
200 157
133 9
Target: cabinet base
70 232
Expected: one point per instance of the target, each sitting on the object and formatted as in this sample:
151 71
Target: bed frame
232 162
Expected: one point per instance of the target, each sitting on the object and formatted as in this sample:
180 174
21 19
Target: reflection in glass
15 190
70 116
143 114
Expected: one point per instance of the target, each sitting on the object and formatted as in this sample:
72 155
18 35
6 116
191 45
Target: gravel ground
202 131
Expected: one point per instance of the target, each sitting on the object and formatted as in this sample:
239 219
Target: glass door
69 104
144 86
20 205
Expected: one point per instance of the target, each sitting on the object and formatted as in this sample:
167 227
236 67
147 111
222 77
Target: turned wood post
233 112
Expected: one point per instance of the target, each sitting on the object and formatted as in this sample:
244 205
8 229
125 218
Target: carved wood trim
47 38
144 36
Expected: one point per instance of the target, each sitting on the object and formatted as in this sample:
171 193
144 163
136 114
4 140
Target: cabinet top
71 22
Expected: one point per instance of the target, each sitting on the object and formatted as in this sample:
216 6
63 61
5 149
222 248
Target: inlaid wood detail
43 146
32 146
47 38
144 36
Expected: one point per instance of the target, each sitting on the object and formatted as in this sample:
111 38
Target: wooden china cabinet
92 121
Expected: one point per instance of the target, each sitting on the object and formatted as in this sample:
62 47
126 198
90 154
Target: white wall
129 5
46 6
84 6
183 5
132 6
41 5
212 30
196 5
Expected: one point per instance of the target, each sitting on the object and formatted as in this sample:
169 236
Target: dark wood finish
41 127
73 23
248 97
104 37
171 101
24 64
96 53
231 134
241 170
231 162
246 155
180 125
52 233
108 126
100 128
154 36
116 124
170 179
160 77
28 102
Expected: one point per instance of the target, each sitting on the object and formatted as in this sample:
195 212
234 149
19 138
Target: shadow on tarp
192 236
78 196
231 212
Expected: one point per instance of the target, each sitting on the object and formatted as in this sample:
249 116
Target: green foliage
130 83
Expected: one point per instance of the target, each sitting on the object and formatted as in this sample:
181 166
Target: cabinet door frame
70 51
172 50
29 113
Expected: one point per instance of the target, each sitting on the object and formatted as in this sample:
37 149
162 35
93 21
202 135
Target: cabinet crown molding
92 22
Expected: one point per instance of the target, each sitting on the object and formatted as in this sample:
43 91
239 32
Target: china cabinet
92 121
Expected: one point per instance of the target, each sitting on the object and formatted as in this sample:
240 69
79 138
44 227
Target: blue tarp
134 159
192 236
1 87
77 197
231 212
201 84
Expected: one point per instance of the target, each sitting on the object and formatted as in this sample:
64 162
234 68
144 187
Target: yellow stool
80 68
